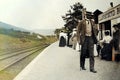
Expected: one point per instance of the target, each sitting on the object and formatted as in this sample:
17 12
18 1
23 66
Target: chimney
111 4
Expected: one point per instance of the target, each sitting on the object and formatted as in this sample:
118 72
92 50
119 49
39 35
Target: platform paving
62 63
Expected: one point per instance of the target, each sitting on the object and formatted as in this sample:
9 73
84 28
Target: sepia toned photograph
59 39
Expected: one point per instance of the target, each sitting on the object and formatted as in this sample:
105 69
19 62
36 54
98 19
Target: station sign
110 14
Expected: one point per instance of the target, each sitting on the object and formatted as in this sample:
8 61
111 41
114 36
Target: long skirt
74 42
62 41
106 52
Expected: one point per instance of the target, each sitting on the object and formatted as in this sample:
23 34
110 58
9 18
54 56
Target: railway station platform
62 63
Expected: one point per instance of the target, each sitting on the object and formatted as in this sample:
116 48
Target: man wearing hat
86 35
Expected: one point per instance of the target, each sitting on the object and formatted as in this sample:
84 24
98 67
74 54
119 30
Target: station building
106 21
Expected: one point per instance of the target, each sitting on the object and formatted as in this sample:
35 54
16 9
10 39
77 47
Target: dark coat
81 29
116 40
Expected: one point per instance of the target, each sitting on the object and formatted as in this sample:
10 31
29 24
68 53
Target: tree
74 14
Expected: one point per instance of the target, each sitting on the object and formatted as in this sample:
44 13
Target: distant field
10 43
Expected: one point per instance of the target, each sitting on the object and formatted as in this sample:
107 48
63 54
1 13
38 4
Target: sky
44 14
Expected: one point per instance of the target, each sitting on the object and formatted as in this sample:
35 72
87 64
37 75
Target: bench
114 52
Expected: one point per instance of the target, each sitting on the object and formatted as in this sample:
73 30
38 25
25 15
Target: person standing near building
86 36
106 51
116 37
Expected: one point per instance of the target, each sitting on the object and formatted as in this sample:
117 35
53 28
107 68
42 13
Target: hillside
12 39
11 43
9 26
44 31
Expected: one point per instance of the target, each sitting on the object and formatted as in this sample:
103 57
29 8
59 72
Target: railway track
9 59
16 50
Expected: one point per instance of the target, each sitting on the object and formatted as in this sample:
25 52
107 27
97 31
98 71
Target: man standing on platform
86 35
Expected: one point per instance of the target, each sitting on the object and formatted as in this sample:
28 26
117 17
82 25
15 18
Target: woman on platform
106 51
74 38
62 39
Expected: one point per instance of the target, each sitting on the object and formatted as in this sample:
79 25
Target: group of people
63 39
71 42
86 35
108 42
